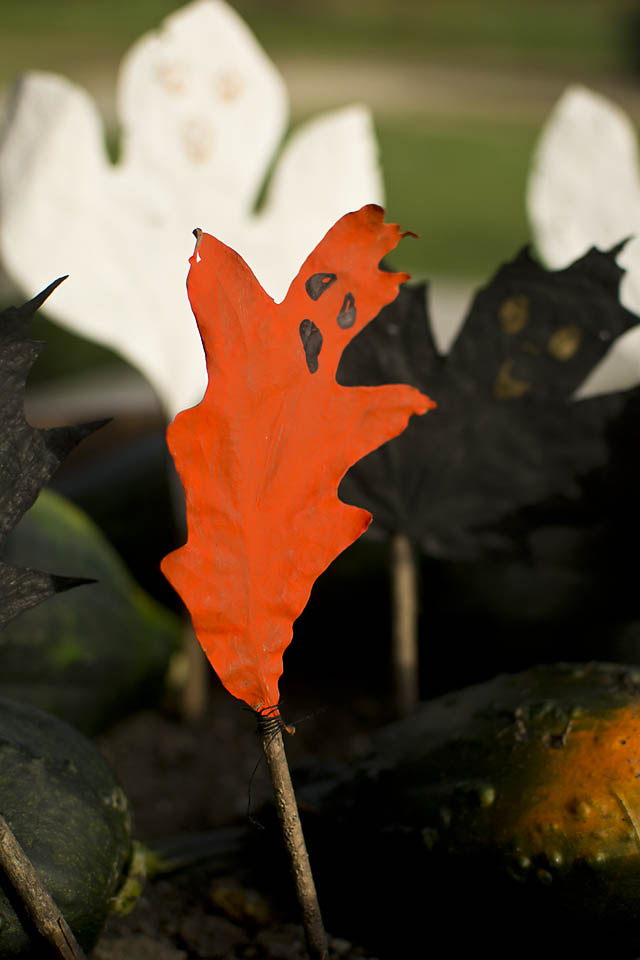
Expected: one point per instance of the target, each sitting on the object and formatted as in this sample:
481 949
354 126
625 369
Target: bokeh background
459 89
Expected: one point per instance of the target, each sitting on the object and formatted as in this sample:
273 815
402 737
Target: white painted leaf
584 191
328 166
202 111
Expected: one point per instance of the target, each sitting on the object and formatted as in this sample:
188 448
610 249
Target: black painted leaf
506 432
29 456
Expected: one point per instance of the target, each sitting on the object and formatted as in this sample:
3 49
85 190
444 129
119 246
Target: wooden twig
194 695
404 627
46 918
287 809
193 687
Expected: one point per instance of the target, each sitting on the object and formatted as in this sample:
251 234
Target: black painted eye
347 316
311 342
318 283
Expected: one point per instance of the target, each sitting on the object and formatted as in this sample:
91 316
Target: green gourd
92 654
71 817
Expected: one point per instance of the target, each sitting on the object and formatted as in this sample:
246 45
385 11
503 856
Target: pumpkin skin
71 817
505 815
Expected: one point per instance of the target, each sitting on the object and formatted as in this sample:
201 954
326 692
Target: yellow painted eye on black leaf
565 342
514 313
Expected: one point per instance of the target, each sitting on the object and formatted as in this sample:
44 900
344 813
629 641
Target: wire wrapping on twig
269 723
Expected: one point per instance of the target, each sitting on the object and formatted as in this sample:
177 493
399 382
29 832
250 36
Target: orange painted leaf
262 455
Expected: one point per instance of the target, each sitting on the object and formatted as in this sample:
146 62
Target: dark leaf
29 456
506 432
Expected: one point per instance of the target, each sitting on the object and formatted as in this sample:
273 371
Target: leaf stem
287 809
36 901
404 625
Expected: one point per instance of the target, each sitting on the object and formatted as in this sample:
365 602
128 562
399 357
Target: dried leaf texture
28 456
262 455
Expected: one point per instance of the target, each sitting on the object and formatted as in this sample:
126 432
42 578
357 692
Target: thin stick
194 672
194 695
39 907
287 809
404 625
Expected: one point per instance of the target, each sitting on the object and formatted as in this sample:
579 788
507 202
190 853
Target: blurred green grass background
458 88
544 32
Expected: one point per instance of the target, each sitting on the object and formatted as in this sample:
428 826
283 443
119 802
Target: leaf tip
197 232
40 298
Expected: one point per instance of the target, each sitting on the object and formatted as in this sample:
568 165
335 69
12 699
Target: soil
188 776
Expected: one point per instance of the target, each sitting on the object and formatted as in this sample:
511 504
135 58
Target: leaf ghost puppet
507 432
262 455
